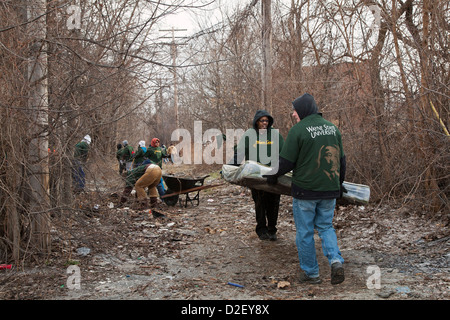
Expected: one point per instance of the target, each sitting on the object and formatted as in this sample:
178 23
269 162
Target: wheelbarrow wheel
171 201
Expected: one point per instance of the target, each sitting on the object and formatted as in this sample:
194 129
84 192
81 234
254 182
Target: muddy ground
194 253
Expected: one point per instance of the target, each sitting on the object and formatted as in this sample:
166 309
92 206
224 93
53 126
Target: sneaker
337 273
273 237
304 278
264 236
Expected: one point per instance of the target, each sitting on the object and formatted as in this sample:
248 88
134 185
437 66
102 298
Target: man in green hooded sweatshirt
262 144
79 161
314 151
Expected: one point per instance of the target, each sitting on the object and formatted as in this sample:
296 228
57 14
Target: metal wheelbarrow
180 185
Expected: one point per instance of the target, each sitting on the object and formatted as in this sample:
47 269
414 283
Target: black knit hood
259 114
305 106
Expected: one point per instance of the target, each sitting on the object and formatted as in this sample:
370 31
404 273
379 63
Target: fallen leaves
195 251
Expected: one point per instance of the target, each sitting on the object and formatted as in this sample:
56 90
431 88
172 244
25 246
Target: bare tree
91 73
374 72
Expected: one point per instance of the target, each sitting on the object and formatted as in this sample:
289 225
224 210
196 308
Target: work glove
271 180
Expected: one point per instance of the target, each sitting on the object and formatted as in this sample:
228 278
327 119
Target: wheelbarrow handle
191 190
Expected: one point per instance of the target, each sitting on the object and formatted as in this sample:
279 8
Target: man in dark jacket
313 150
118 156
79 161
258 143
125 155
139 156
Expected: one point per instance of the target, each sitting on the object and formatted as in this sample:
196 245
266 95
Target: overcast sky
207 15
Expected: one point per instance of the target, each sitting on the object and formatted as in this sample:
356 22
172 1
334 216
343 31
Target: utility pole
174 71
267 54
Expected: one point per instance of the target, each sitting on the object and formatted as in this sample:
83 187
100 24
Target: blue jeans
310 215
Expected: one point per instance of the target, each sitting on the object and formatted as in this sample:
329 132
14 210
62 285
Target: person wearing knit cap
125 155
142 145
79 161
155 153
139 156
313 150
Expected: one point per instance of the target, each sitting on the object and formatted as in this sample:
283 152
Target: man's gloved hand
272 180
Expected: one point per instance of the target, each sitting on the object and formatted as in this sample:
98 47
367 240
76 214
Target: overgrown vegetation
383 81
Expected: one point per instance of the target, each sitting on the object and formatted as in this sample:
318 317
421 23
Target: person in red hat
155 153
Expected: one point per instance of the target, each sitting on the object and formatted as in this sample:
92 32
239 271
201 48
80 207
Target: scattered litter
186 246
283 284
385 294
83 251
157 214
403 289
235 285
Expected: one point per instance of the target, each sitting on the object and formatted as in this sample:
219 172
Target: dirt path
195 252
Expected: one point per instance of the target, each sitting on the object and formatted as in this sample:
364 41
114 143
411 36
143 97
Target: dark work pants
266 207
78 176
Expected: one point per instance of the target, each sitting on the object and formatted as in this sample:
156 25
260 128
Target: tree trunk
38 150
421 45
267 55
379 105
